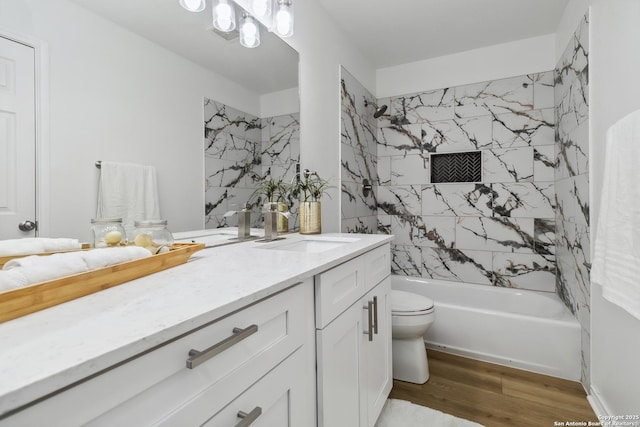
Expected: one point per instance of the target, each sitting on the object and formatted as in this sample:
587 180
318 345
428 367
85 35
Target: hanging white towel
128 191
616 263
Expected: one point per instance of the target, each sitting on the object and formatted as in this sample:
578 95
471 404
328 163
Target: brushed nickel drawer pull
369 309
198 357
248 419
375 315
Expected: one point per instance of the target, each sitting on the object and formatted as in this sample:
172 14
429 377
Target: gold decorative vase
309 214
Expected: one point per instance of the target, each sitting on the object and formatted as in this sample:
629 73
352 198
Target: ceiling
388 32
393 32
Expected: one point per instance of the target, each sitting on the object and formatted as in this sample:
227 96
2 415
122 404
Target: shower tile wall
358 157
240 150
497 231
572 183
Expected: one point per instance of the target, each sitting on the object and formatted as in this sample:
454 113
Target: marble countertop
50 349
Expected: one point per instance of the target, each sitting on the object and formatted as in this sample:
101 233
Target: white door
17 140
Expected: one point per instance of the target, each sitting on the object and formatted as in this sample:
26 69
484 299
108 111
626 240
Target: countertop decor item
309 189
32 298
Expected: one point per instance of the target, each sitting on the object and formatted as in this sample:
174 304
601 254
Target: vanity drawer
377 265
337 289
141 391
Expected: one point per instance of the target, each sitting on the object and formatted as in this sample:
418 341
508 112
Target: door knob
27 225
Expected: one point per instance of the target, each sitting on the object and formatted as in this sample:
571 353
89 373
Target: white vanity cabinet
254 363
353 340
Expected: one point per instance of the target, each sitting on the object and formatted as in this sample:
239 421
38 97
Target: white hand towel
616 263
99 258
10 280
128 191
36 245
48 267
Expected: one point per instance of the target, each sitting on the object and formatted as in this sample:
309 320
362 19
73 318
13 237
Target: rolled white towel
48 267
99 258
36 245
10 280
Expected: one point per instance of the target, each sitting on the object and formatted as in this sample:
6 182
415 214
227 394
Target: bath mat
400 413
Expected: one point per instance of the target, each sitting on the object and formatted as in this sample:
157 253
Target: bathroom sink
311 244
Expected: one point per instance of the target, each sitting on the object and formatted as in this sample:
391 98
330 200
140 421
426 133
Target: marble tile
574 63
221 117
422 107
400 140
457 135
406 260
226 146
284 135
436 232
224 173
408 170
572 199
384 224
524 199
574 265
457 200
573 151
399 200
354 95
361 225
494 97
457 265
524 129
508 165
215 201
499 234
349 200
585 365
573 108
384 170
543 89
544 163
524 271
544 231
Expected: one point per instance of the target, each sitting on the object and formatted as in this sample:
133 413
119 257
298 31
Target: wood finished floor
494 395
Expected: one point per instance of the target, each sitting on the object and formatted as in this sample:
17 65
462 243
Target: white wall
116 96
490 63
278 103
323 48
614 92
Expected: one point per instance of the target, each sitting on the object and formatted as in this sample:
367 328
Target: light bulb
249 31
193 5
261 8
284 19
224 17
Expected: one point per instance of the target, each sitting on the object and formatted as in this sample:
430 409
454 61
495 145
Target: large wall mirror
243 146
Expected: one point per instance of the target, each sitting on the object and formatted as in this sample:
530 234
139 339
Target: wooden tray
36 297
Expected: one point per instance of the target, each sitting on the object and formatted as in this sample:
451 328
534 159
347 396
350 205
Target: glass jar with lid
108 232
153 235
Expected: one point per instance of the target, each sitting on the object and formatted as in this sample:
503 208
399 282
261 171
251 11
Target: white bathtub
523 329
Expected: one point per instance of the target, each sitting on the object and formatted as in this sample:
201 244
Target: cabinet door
338 355
376 363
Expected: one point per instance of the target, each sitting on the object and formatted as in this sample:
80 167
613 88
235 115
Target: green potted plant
309 190
275 192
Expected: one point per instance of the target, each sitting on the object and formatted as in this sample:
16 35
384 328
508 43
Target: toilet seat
410 304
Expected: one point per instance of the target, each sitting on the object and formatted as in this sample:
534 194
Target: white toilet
411 316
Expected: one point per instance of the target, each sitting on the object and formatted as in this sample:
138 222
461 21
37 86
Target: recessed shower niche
456 167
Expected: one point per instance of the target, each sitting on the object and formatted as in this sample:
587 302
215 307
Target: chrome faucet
271 213
244 221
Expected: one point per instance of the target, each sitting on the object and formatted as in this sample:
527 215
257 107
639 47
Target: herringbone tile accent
456 167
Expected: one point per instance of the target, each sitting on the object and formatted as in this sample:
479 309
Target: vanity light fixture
249 31
193 5
276 15
224 15
283 18
260 8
